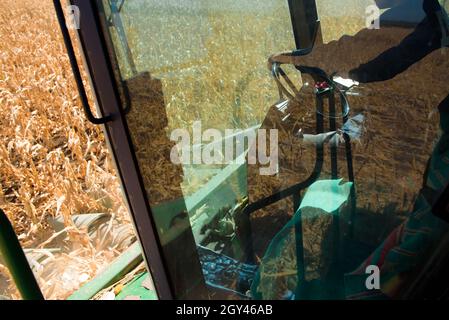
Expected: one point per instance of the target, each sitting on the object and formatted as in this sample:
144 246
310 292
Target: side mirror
306 23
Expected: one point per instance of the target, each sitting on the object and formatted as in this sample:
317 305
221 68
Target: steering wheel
323 82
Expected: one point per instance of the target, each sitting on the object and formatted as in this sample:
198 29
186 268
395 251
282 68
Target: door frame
98 65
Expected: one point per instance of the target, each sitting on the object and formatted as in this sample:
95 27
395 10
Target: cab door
166 71
274 183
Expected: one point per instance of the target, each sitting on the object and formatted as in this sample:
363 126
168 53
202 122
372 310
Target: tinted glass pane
339 184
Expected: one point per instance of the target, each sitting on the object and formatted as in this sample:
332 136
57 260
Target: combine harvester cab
302 180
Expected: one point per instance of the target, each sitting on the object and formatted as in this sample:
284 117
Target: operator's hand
358 75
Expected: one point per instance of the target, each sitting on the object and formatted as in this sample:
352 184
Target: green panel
285 273
136 289
223 190
216 193
114 272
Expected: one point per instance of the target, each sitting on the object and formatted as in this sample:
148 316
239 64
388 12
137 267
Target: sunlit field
53 162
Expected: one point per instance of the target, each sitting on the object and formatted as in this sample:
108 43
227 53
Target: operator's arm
422 41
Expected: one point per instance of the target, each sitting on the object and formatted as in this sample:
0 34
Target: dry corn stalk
53 162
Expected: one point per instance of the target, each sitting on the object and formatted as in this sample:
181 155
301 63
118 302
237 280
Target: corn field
53 162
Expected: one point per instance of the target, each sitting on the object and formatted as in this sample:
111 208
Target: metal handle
16 261
75 69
